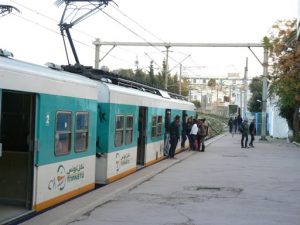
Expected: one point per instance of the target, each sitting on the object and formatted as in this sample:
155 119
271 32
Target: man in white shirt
193 134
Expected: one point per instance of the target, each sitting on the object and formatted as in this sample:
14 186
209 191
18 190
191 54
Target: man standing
245 131
193 133
167 133
252 130
174 136
203 134
184 131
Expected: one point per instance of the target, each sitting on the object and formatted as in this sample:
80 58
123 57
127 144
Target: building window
194 81
82 131
119 130
63 134
129 130
159 125
154 126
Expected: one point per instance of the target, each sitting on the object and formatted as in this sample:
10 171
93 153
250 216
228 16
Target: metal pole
245 88
167 67
241 100
180 71
72 45
97 52
264 96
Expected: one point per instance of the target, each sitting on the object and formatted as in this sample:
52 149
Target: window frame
76 131
153 126
63 132
128 129
158 134
119 129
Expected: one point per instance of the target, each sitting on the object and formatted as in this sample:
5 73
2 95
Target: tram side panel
117 141
65 161
155 135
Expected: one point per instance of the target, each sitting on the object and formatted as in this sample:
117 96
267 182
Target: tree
286 71
256 90
151 74
197 103
125 72
212 83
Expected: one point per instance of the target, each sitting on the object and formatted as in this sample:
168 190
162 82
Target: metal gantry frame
168 45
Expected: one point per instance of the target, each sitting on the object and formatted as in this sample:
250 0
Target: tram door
17 122
142 129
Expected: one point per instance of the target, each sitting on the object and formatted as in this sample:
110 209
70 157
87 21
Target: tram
62 133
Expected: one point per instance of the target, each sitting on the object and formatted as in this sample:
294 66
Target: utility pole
180 72
97 52
245 88
264 96
167 67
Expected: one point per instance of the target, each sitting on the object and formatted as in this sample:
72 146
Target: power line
56 22
80 42
49 18
139 25
54 31
49 29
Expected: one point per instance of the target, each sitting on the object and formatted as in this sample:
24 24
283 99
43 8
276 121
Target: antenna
76 11
7 9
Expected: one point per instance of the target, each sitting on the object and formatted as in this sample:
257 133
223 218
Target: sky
34 36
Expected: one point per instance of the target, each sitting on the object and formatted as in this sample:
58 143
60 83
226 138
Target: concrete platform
224 185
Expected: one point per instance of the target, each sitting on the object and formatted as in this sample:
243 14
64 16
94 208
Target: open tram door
17 123
142 137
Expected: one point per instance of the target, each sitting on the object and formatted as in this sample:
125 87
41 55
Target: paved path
224 185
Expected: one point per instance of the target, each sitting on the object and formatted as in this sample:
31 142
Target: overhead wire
86 34
143 28
56 32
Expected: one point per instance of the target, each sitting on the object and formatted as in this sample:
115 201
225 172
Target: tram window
159 125
81 131
119 130
129 129
154 126
63 134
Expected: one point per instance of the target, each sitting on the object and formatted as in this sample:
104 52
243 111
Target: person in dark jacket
230 125
252 131
174 136
189 128
167 134
244 129
184 131
239 121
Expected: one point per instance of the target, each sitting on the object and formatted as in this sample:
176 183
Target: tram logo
58 182
122 160
63 176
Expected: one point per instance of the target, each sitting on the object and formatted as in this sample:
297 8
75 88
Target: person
193 133
235 123
198 139
244 129
174 136
252 130
239 121
189 128
167 134
203 133
230 124
184 130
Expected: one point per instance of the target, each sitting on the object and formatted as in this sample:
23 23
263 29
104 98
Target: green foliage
197 103
256 90
286 71
156 80
212 83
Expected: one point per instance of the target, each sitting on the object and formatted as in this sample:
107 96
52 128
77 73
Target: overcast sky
33 35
